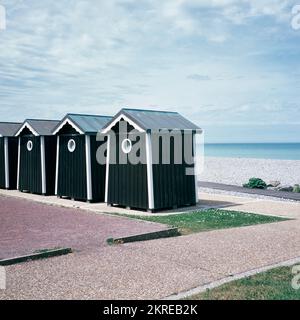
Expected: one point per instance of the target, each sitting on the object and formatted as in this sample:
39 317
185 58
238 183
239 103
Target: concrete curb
220 282
146 236
35 256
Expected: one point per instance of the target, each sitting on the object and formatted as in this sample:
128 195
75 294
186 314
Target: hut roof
154 120
83 123
8 129
38 127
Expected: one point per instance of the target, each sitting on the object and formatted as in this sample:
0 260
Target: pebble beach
236 171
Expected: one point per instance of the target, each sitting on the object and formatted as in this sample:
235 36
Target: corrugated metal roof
9 129
156 120
87 123
42 127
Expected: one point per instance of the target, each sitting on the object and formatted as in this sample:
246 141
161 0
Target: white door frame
57 164
19 162
43 165
6 159
88 168
149 171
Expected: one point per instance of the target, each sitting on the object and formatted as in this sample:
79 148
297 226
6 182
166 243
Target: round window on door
29 145
71 145
126 145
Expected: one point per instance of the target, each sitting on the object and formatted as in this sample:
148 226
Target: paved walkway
269 193
160 268
102 208
27 226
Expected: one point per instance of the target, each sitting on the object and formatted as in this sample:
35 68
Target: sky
230 66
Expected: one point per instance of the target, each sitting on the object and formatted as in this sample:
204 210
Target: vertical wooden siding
172 187
50 157
127 182
98 172
30 166
72 168
13 161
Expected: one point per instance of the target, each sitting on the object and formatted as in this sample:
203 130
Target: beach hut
36 156
156 181
8 155
79 176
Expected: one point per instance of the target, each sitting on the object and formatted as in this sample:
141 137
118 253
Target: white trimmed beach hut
36 156
8 155
149 184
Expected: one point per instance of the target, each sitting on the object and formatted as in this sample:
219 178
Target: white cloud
97 56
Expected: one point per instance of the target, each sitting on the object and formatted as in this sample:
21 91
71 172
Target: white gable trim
71 123
137 127
28 126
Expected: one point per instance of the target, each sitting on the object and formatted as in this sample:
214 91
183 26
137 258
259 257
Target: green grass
274 284
191 222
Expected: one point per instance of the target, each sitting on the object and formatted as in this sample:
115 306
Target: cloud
98 56
198 77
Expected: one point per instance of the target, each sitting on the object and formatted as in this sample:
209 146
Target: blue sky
230 66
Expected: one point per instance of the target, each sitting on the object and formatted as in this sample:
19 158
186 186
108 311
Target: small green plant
255 183
296 188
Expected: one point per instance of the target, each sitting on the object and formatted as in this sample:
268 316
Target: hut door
72 167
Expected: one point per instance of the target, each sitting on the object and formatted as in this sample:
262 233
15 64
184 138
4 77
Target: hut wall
172 187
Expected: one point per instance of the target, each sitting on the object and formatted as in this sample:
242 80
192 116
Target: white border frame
126 140
71 150
29 142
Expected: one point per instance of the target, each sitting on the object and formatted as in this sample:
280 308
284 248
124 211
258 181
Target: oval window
71 145
126 145
29 145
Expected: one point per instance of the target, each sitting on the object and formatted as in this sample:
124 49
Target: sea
286 151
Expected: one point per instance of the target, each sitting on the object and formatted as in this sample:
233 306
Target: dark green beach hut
37 155
79 176
159 180
8 155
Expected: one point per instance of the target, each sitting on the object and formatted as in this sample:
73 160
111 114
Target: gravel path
238 170
27 226
160 268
